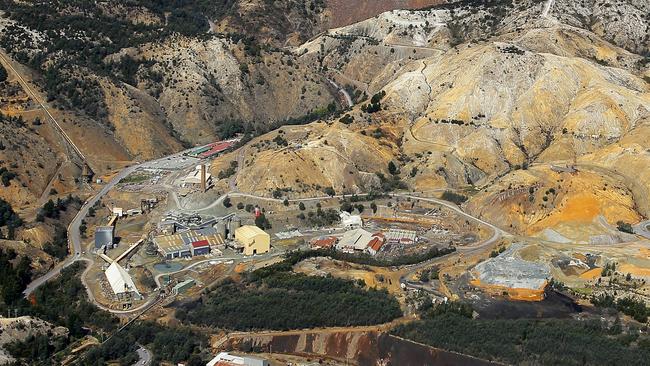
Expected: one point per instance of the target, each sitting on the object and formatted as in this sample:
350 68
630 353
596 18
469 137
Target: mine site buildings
252 240
188 243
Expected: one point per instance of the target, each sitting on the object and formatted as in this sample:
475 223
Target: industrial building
178 221
198 178
252 240
181 287
188 243
374 246
350 222
323 242
399 236
121 282
213 149
354 240
104 236
226 359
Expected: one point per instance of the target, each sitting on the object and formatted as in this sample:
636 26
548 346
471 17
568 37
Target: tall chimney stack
203 182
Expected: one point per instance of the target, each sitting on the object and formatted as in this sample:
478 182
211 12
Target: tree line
530 341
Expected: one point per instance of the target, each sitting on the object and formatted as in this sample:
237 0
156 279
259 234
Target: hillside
484 96
170 83
494 111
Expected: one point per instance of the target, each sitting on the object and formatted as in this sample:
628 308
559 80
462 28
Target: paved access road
145 356
74 234
177 161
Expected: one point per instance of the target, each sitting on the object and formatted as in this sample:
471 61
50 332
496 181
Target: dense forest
63 302
636 308
170 344
261 302
8 218
527 341
15 274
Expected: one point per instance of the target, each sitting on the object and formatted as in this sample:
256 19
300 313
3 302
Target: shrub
453 197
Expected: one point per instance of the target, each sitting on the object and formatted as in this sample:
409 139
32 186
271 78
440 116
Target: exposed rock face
348 12
209 82
485 95
623 23
497 108
318 156
13 329
363 347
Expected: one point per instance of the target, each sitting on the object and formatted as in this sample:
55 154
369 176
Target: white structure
121 282
350 222
354 240
400 236
133 212
118 211
228 359
194 178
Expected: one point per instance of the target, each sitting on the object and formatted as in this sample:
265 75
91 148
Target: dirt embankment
354 347
345 12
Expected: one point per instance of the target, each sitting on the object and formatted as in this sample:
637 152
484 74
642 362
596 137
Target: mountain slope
498 110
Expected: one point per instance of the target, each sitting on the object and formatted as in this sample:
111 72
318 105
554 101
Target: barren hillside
495 110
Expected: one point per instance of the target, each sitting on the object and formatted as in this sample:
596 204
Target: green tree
392 168
625 227
262 222
3 74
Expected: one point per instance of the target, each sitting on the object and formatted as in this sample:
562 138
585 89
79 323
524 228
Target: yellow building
252 239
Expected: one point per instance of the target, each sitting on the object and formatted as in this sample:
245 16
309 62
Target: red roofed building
375 244
323 242
217 147
200 247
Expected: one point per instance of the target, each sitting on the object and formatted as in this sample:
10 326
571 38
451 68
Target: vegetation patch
453 197
15 274
525 341
276 298
8 218
635 308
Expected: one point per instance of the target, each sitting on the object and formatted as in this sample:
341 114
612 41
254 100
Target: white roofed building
226 359
354 240
121 282
349 221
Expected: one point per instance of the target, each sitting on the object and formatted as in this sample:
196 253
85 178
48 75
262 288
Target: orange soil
630 268
645 252
591 274
520 294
